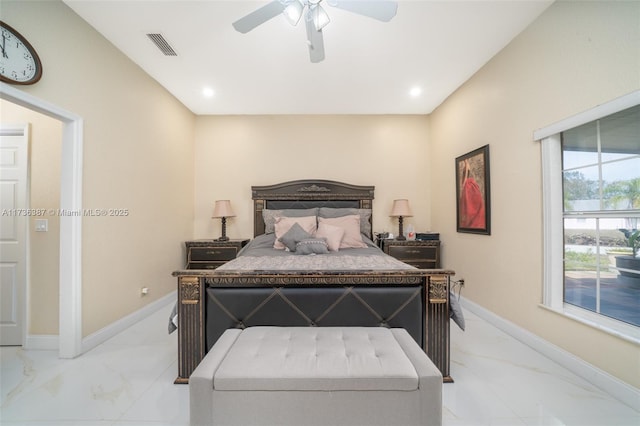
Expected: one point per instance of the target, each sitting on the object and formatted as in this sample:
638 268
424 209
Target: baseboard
42 342
615 387
122 324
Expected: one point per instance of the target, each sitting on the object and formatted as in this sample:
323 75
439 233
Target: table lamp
400 210
223 210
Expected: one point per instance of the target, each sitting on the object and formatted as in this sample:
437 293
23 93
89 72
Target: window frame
553 227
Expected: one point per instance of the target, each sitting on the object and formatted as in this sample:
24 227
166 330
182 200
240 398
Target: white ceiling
370 66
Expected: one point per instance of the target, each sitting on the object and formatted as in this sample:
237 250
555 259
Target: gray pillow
293 236
455 311
269 216
312 246
365 216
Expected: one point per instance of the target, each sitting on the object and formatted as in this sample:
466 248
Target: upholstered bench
316 376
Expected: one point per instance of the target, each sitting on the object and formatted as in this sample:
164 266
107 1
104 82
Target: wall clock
19 62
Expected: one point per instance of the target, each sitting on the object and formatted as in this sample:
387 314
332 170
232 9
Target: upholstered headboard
308 193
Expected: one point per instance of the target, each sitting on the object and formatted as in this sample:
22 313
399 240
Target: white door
14 142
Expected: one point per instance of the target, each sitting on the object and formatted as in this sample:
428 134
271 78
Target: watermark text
120 212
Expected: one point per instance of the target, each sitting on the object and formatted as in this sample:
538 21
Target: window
591 174
601 212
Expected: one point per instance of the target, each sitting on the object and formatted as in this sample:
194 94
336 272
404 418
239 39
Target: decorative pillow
455 312
333 235
283 224
312 246
293 236
351 226
269 216
365 216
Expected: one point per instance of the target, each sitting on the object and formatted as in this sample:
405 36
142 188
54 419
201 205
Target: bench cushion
316 359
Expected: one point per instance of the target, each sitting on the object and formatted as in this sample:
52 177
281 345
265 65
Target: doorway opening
70 278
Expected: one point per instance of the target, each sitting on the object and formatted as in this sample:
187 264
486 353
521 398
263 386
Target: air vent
162 44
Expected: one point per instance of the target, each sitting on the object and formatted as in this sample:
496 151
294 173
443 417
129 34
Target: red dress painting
472 214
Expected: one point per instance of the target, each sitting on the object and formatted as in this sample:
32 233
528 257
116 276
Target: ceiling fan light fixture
315 16
293 12
319 17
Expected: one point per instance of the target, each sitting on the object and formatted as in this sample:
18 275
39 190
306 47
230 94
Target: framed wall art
473 202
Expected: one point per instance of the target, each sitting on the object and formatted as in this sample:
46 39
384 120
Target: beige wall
575 56
235 152
140 145
138 155
44 193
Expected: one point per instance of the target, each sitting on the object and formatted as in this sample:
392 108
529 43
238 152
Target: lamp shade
401 208
319 17
293 12
223 209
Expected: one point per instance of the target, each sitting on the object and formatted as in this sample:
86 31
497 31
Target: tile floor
128 380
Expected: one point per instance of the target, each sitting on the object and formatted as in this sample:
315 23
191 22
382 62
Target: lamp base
224 230
400 236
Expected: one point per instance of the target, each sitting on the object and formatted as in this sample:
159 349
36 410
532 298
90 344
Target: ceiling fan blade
316 42
382 10
259 16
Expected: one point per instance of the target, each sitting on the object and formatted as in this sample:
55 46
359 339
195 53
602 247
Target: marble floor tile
128 380
535 389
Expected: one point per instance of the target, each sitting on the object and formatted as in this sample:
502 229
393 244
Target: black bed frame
211 301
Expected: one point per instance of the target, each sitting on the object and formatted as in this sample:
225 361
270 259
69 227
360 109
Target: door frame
70 332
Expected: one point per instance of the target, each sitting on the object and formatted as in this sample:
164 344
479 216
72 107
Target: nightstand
423 254
210 254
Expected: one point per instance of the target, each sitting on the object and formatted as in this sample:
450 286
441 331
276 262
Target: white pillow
283 224
365 216
333 235
351 225
269 216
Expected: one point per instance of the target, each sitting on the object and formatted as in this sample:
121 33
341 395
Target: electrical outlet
144 291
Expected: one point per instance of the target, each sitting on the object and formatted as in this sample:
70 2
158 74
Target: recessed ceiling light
208 92
415 92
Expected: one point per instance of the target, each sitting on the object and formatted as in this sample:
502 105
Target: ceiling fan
315 17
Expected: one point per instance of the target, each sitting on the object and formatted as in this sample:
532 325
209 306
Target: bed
304 283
